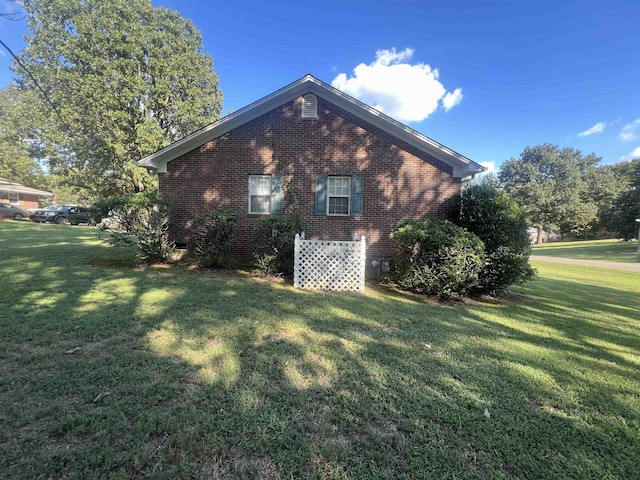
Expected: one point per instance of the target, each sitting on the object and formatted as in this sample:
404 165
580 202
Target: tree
603 186
18 141
626 208
548 183
495 218
125 78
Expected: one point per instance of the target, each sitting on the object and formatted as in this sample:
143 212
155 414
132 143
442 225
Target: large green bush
497 220
436 257
140 220
211 233
273 243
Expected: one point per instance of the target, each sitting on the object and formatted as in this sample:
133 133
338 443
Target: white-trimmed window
339 192
309 106
265 194
14 198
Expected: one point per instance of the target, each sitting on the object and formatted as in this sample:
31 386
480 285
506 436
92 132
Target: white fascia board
26 190
462 166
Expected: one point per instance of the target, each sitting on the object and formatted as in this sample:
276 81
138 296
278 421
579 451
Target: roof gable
462 166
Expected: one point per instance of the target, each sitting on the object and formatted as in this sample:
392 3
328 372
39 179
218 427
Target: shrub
140 220
436 257
211 233
273 244
497 220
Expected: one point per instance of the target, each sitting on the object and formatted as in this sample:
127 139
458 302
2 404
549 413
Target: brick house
20 195
343 166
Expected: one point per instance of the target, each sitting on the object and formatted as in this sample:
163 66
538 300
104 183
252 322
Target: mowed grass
599 250
111 371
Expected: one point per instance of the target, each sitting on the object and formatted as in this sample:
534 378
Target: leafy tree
603 185
125 78
549 184
490 179
18 140
497 220
626 208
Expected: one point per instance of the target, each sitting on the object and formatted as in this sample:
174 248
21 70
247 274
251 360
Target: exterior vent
309 106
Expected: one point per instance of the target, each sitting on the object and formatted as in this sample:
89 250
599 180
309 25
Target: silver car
11 211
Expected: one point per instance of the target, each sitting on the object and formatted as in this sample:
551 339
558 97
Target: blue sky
484 78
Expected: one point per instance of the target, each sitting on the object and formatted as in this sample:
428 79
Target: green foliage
603 186
126 79
504 267
581 223
273 243
22 149
436 257
494 217
550 185
211 233
18 140
625 209
140 220
497 220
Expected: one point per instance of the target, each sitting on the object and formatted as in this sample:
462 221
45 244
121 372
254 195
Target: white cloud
452 99
405 91
630 131
635 153
490 166
490 169
597 128
387 57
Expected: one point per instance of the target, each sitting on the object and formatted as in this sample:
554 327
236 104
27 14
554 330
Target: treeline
560 190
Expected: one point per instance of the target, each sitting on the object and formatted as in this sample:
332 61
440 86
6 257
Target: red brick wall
399 180
26 200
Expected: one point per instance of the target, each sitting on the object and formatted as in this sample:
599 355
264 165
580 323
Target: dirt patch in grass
238 463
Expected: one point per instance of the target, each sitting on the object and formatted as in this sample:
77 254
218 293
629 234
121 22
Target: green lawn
599 250
112 371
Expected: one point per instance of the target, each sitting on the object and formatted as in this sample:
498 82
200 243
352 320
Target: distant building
546 236
20 195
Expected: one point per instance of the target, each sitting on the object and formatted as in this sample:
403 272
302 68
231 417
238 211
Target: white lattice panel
329 265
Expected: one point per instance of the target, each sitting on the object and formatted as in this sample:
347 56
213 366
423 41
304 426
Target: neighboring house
341 165
20 195
545 237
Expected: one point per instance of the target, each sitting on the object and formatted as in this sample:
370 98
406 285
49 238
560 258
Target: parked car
11 211
39 215
72 214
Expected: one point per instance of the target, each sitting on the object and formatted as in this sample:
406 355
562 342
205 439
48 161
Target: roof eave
40 193
461 165
159 159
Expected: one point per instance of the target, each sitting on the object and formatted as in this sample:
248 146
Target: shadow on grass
191 374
